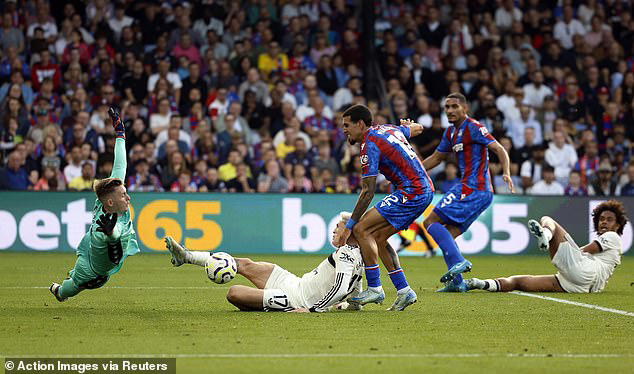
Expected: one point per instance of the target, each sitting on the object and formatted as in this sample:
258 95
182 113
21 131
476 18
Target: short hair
106 186
613 206
359 113
344 216
458 96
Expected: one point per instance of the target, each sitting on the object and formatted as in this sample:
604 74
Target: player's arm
120 161
415 129
605 242
592 248
434 160
506 163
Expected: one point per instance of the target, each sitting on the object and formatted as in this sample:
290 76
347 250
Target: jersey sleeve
120 161
344 269
480 134
370 155
609 241
445 142
406 131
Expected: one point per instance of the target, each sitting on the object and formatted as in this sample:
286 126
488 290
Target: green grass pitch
150 308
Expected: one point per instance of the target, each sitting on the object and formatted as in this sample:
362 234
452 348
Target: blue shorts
461 210
400 211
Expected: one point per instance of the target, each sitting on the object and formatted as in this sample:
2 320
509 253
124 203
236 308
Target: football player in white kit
335 279
580 270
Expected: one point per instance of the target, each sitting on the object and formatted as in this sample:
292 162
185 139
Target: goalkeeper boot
369 296
538 231
451 287
403 301
54 288
463 266
178 252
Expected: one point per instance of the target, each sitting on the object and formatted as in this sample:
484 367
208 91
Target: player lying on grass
333 280
111 237
581 270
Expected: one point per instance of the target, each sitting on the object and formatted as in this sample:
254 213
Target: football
221 267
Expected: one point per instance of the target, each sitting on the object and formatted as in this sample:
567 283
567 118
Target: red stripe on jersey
398 160
468 155
481 176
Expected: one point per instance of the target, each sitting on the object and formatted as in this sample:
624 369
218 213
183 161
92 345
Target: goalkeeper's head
112 194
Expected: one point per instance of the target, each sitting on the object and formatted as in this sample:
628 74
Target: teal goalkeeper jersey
94 244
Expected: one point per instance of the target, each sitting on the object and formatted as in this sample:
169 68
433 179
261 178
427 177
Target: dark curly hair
613 206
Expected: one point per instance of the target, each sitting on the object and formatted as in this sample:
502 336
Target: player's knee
545 220
244 264
359 231
430 220
233 296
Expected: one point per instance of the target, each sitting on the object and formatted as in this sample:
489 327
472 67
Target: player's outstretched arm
415 128
120 161
506 163
434 160
368 187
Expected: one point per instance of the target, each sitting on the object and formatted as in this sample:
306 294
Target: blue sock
373 275
448 245
398 279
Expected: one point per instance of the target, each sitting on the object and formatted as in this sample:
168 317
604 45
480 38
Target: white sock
547 234
404 290
197 258
378 289
491 285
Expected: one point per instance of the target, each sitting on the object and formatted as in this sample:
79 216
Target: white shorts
281 291
577 273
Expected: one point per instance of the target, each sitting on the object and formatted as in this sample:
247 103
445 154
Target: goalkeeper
111 237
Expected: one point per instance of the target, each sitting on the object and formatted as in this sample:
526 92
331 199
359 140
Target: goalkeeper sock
398 279
197 258
68 289
373 275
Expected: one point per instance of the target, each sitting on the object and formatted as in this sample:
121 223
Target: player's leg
549 234
364 231
246 298
528 283
257 273
444 234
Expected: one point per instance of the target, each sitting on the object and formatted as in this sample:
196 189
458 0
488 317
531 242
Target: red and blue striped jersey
385 149
469 141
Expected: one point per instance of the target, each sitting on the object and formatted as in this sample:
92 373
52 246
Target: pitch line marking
334 355
584 305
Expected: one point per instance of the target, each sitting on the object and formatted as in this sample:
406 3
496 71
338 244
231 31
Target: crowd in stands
246 96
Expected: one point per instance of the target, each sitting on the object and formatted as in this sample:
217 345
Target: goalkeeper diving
334 280
111 237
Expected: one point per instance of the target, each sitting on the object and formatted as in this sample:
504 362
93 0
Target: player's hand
509 182
117 123
107 223
299 310
415 128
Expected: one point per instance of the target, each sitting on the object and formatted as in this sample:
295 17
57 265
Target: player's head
356 120
343 219
609 216
456 107
112 194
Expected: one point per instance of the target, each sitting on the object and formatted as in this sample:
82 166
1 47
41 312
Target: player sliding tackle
385 149
581 270
462 204
111 237
333 280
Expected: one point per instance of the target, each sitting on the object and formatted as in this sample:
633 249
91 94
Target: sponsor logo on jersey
346 258
484 131
458 147
362 145
364 159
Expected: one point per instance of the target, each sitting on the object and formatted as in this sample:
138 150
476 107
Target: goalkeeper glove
117 123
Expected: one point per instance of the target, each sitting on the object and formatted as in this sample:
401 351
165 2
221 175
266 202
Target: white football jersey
333 280
607 259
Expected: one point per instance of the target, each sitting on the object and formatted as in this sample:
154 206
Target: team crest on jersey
364 159
458 147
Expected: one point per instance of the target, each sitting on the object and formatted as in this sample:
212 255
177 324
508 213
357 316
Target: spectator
518 126
535 92
46 68
532 169
242 181
575 187
14 176
184 182
163 71
299 183
272 180
506 15
11 36
213 183
627 189
566 28
588 164
548 185
561 156
604 185
85 180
